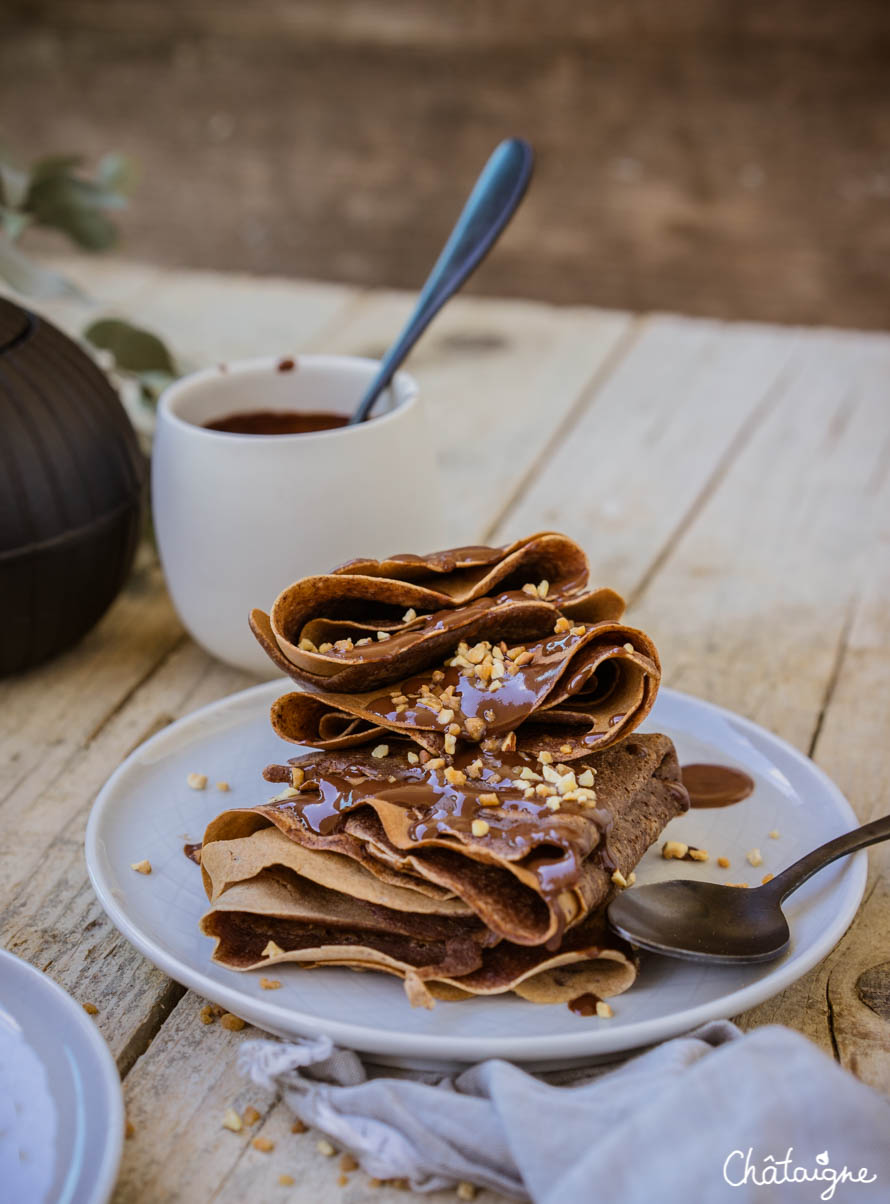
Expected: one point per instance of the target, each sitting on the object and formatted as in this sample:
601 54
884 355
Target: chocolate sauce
715 785
584 1005
277 422
193 852
553 844
575 672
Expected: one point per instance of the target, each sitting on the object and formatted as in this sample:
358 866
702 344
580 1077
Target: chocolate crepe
373 622
583 686
264 911
524 844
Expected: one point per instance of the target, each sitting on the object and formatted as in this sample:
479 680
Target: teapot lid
14 323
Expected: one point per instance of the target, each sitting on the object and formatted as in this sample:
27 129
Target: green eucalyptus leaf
134 350
14 185
116 173
14 222
54 165
28 277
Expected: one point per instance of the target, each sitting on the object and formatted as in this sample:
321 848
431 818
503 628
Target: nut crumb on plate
324 1147
197 781
141 867
603 1010
263 1144
232 1023
206 1014
231 1120
91 1009
754 857
270 984
250 1115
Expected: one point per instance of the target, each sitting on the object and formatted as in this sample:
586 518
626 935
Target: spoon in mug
707 922
492 203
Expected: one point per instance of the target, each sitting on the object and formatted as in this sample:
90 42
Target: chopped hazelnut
436 763
206 1014
363 643
445 715
528 774
413 758
603 1010
480 827
531 590
578 629
508 744
488 800
381 750
546 758
766 878
695 854
263 1144
272 949
466 1191
298 1126
562 624
631 878
524 658
382 635
223 786
743 885
232 1023
474 728
674 849
297 776
543 589
723 862
774 835
306 645
628 647
450 744
91 1009
286 1180
324 1147
196 781
251 1116
754 857
455 777
141 867
410 615
619 879
565 748
231 1120
270 984
328 646
585 778
348 1163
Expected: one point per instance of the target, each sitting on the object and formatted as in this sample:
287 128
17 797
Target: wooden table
733 481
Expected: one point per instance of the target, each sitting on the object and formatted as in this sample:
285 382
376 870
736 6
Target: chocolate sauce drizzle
715 785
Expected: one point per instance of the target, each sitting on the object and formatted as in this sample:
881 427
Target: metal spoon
492 203
706 922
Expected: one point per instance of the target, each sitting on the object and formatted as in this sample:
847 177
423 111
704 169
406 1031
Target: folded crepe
581 687
529 847
370 622
275 901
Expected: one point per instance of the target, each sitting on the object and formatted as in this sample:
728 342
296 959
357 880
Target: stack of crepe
475 798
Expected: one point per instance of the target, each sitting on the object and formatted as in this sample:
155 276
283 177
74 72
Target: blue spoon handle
492 203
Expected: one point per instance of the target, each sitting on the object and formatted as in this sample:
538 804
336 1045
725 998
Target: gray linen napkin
714 1116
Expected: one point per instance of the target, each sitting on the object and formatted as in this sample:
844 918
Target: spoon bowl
707 922
702 921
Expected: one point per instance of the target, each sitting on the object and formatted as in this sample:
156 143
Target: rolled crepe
373 622
275 902
527 846
582 687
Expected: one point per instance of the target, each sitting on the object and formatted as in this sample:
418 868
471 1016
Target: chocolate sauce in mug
715 785
277 422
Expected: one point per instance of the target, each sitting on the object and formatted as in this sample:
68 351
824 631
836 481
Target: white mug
239 517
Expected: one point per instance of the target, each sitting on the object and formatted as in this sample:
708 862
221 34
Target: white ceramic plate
61 1111
146 810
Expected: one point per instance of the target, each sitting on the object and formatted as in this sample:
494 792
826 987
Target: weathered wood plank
498 378
175 1098
648 442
